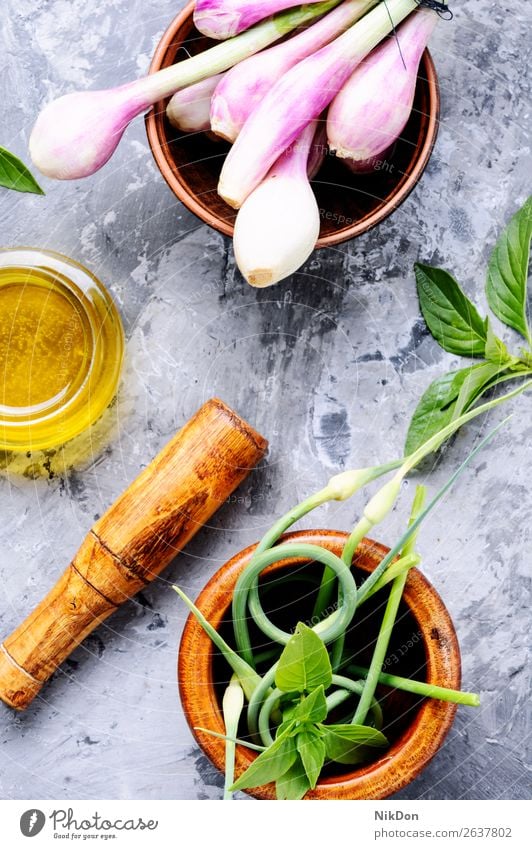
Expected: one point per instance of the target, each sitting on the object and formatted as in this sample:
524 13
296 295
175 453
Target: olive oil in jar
61 349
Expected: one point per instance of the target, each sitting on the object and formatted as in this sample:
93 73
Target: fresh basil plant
458 327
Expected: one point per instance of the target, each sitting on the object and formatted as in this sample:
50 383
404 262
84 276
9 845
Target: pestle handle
132 543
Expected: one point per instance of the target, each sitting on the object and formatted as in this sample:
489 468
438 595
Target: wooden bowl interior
349 204
283 605
423 646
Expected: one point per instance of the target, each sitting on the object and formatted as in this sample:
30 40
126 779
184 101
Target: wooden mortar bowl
423 646
349 205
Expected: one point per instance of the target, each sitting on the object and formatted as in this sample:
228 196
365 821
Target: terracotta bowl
423 646
349 205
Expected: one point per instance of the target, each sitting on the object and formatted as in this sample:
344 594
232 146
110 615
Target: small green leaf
15 175
474 384
506 284
304 663
313 708
270 765
351 744
451 317
434 409
496 351
294 783
312 752
525 357
287 727
446 399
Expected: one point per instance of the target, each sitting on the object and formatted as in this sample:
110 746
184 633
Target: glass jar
61 349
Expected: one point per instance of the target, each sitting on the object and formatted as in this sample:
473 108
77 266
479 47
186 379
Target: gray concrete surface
329 366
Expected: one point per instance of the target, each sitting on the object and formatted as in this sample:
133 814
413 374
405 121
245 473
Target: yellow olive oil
61 349
45 341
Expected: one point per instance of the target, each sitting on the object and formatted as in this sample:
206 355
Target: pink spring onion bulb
189 110
360 167
76 134
278 225
300 96
244 86
222 19
318 150
371 110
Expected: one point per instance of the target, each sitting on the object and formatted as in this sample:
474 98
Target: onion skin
244 86
221 19
371 110
278 226
189 110
299 97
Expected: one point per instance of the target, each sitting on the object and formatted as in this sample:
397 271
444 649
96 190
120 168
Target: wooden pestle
132 543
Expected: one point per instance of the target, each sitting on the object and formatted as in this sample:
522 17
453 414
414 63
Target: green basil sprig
15 175
303 742
457 326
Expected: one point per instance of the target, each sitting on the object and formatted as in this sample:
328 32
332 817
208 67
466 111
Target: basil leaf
294 783
475 383
270 765
496 350
526 357
304 663
313 708
351 744
312 752
286 728
439 404
434 410
451 317
15 175
506 284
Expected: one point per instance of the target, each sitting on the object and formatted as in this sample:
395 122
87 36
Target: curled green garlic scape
310 674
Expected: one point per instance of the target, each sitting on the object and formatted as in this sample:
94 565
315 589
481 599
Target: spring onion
244 86
75 135
225 18
299 97
266 249
371 110
189 110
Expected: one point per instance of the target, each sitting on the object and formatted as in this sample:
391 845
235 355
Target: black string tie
441 8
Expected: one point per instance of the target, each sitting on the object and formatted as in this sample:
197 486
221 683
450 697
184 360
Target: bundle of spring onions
264 99
294 689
